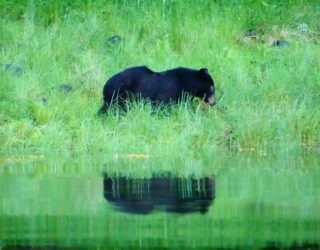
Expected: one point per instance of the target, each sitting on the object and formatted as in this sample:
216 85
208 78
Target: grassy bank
55 58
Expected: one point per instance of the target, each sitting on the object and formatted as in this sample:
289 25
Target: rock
280 43
250 33
114 39
65 87
43 100
13 69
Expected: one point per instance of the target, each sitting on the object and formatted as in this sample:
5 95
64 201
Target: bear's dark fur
158 87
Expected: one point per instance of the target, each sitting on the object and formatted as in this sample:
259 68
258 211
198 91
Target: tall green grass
268 97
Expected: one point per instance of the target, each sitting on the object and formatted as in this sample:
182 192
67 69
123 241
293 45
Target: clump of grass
268 98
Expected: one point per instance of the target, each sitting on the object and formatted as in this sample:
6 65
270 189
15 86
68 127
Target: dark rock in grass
13 69
250 33
65 87
279 43
114 39
43 100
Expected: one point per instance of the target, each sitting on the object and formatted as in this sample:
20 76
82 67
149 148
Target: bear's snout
211 100
211 97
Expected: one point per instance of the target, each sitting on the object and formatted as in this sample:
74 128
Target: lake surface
235 203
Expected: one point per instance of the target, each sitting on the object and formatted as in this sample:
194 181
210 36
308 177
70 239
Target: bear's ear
204 71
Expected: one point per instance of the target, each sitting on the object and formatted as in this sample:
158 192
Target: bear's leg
103 109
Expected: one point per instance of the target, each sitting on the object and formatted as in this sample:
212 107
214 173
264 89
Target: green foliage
268 97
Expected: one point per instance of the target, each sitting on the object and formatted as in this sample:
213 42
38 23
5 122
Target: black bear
158 87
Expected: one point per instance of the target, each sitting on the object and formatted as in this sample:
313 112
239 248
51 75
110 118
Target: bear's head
205 87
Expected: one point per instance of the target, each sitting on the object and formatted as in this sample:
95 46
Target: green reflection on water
258 203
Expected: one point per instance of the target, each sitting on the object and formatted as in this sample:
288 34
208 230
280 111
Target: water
245 203
168 193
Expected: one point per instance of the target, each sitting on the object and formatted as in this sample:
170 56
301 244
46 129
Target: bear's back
138 70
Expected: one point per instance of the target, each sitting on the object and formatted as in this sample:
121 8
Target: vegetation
57 55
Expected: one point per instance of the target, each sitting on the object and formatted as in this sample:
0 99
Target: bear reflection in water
177 195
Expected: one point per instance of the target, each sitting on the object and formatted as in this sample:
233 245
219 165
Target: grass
268 96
